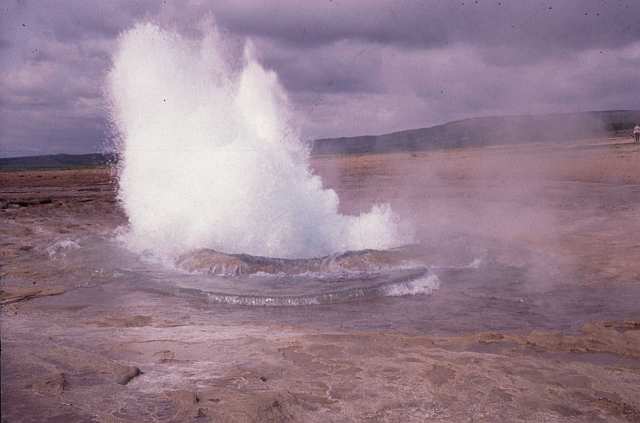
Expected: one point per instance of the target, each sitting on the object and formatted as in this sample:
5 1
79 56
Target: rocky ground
82 342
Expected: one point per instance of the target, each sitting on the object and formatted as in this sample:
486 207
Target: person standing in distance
636 133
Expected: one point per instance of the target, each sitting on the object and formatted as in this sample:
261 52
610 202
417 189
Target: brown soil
112 353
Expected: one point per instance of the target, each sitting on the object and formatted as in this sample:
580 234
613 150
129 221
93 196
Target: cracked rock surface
536 318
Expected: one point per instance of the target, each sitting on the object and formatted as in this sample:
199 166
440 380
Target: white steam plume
209 158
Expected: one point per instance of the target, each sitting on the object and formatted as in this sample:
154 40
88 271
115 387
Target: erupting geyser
210 160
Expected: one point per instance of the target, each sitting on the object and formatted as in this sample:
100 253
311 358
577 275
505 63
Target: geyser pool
211 160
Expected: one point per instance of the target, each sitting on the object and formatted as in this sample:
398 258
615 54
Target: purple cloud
349 67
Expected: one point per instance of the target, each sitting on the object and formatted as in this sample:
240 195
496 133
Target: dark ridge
483 131
57 161
473 132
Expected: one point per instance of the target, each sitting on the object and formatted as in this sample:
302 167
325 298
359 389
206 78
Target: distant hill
474 132
56 161
489 131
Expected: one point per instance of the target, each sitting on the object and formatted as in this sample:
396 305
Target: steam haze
349 68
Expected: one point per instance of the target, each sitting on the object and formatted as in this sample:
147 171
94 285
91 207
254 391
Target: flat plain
537 317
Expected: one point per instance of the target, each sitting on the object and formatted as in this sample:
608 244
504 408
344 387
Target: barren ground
549 222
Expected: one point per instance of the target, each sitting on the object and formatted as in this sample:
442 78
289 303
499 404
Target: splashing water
209 158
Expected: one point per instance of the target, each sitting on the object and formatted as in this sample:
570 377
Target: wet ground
527 309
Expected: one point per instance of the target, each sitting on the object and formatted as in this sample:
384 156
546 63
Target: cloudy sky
350 67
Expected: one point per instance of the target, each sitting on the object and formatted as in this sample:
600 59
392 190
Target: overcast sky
350 67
